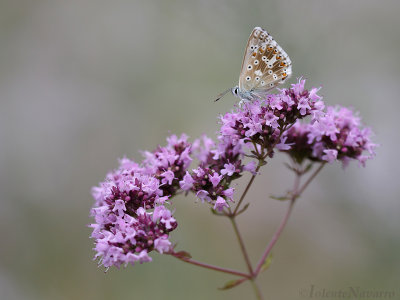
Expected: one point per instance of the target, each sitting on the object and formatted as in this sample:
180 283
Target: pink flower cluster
262 122
218 166
338 135
169 163
130 210
131 217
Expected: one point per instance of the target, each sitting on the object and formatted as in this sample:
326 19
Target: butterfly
265 65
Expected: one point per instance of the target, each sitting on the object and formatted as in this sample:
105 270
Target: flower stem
296 192
310 179
261 162
208 266
246 189
274 238
256 289
241 243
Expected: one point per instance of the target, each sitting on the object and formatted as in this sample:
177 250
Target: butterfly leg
243 102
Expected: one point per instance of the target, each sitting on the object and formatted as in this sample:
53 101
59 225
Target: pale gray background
85 82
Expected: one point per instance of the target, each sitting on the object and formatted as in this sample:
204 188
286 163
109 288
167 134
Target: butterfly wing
265 64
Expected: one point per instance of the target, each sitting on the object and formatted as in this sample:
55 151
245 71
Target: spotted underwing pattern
265 64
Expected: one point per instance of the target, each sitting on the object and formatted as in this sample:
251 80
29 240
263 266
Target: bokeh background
83 83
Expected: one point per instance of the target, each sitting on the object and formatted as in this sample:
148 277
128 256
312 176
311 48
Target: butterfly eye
236 91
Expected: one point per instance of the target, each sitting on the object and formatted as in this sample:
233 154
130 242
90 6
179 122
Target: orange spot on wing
254 54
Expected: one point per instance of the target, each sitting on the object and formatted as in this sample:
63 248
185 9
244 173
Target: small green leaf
214 212
183 254
308 168
217 213
280 198
267 263
243 209
232 283
252 156
290 167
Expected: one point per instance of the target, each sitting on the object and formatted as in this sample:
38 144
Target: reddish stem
208 266
296 192
274 238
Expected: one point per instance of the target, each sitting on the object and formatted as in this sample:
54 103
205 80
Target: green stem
256 289
261 161
246 189
241 243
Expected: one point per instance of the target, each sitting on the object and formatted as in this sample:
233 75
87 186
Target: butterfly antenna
221 95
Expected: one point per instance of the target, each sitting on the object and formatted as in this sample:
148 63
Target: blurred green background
83 83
